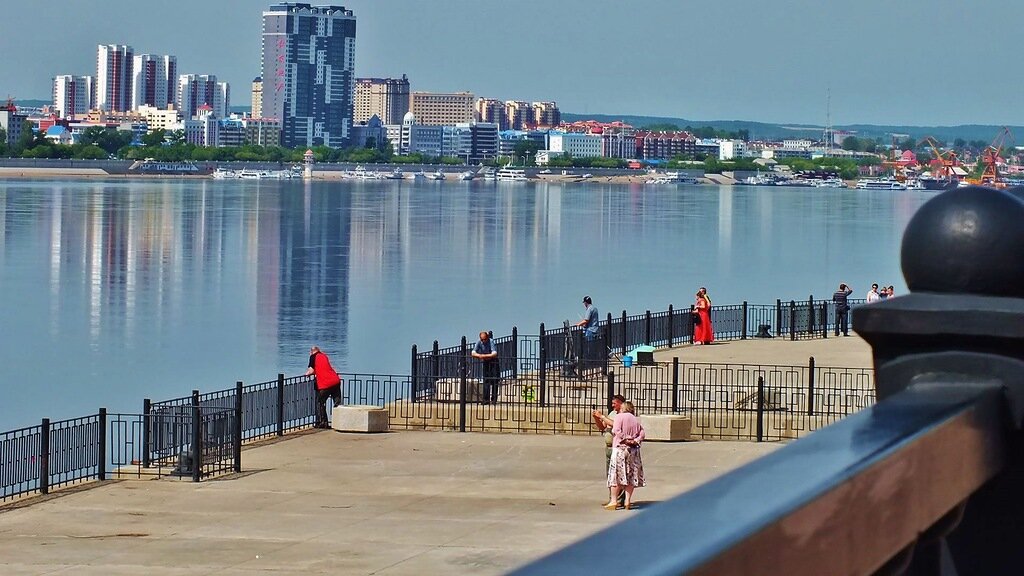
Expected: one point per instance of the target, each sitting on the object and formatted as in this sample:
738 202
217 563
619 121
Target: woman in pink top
626 469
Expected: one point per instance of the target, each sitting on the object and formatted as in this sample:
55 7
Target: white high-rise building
153 80
72 95
114 77
194 90
308 59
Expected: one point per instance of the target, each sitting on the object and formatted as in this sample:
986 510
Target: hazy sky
886 61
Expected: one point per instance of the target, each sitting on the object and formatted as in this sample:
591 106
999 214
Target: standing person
889 292
703 333
626 470
487 353
328 384
873 295
842 304
604 423
591 328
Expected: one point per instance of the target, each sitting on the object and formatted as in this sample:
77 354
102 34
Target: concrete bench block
666 427
448 390
359 419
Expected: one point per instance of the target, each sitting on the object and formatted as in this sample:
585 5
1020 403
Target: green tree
852 143
154 138
527 150
908 144
88 152
959 143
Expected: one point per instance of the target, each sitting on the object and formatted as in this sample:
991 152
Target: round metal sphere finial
968 240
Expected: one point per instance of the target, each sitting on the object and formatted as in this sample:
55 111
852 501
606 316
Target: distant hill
31 103
767 131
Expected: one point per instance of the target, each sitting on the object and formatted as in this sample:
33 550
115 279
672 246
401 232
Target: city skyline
883 63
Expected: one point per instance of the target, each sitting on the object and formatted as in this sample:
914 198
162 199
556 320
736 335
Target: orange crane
944 162
990 159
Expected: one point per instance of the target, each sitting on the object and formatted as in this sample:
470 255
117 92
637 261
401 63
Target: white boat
361 173
250 175
467 176
507 174
880 184
414 175
680 178
830 183
396 175
223 174
490 176
439 175
585 176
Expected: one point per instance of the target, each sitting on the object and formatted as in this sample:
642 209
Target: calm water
114 291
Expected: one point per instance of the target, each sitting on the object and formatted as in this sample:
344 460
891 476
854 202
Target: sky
915 62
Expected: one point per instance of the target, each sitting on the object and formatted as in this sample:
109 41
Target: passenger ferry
880 184
507 174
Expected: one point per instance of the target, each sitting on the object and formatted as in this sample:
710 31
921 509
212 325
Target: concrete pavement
842 352
415 503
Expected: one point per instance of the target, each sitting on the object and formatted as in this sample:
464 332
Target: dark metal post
463 383
671 325
675 384
515 353
44 457
413 373
647 328
280 404
197 442
147 427
611 389
237 445
101 445
778 317
760 408
625 342
543 380
744 334
435 373
693 323
823 314
810 314
810 386
792 320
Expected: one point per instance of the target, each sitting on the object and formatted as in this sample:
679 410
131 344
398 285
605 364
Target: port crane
990 175
944 162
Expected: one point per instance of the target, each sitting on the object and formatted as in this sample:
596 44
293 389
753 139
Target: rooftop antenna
829 132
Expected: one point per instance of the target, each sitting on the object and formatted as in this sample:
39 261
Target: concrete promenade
841 352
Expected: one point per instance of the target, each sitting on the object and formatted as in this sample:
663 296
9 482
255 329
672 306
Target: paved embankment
326 503
841 352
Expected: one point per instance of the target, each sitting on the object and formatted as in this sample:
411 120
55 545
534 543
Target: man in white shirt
873 294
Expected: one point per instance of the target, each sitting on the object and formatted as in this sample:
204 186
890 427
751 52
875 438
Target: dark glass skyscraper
308 79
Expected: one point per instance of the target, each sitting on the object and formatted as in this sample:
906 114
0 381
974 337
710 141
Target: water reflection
114 291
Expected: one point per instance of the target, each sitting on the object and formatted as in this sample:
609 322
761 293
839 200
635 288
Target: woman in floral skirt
626 469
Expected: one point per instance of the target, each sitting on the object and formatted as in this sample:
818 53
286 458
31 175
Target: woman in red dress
702 330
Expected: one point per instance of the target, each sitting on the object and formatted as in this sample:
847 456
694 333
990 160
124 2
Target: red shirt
325 375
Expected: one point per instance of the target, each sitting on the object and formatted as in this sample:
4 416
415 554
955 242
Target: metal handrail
845 500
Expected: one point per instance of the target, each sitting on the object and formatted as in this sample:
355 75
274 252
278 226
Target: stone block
666 427
448 390
359 419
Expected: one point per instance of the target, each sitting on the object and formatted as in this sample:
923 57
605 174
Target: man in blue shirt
487 353
590 320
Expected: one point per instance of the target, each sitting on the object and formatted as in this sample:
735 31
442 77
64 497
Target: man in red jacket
328 384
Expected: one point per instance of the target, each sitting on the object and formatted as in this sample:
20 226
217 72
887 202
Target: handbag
696 318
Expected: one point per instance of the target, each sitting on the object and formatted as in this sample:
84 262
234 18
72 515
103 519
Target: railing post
675 384
463 384
195 397
147 426
671 325
760 408
647 328
778 317
237 445
625 343
693 323
810 386
44 457
101 446
197 441
515 353
823 314
743 336
792 320
435 354
413 373
810 314
611 389
543 380
280 404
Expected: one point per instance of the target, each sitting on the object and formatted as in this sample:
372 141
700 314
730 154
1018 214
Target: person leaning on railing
487 353
328 384
842 304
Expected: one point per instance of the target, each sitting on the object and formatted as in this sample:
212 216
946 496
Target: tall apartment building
493 111
114 77
194 90
519 114
308 59
546 115
387 98
12 122
443 109
257 97
72 95
153 80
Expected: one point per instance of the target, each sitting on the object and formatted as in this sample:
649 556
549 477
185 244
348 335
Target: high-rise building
257 97
518 114
493 111
72 95
12 122
308 60
443 109
114 77
194 90
546 115
153 80
386 98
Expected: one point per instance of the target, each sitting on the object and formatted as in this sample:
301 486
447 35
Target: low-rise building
160 118
369 134
574 144
665 145
262 131
12 121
